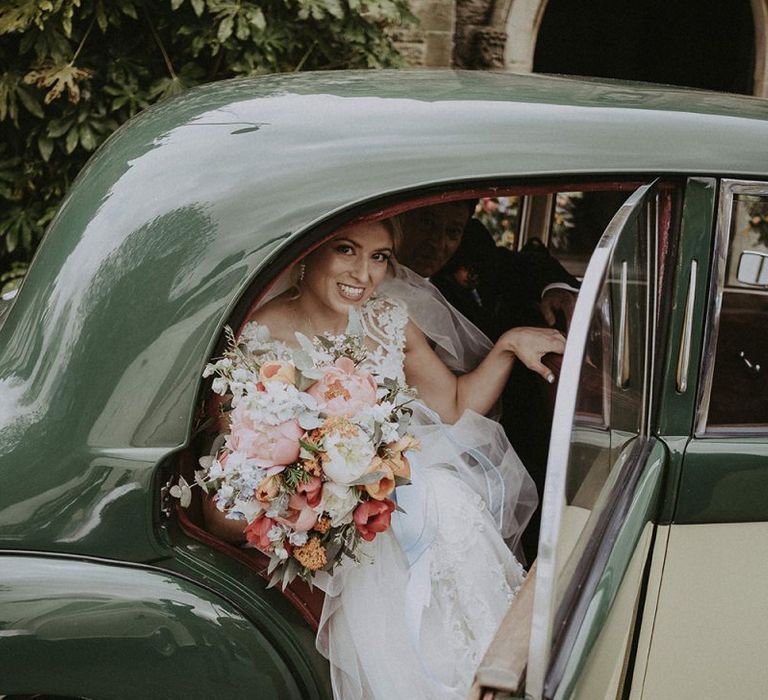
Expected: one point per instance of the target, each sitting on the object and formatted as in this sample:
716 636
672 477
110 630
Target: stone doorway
692 43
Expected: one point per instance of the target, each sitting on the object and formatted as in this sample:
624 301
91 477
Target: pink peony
301 516
344 390
373 517
268 445
256 532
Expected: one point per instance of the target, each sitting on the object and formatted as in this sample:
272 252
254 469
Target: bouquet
315 450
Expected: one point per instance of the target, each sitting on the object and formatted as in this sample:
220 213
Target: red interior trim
454 196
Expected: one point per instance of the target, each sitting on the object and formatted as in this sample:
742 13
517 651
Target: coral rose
256 532
385 485
373 517
267 445
278 371
344 389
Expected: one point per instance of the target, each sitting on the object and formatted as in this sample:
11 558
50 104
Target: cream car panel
649 611
710 635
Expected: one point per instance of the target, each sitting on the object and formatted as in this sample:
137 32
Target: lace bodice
384 320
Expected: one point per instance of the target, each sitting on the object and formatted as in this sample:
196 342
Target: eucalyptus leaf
274 562
175 491
402 481
306 344
276 577
290 571
186 496
200 480
302 360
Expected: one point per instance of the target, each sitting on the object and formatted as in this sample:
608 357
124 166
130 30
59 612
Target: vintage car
653 553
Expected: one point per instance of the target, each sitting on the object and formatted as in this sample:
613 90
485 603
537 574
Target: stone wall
454 33
430 44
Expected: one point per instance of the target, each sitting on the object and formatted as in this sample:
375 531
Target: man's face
431 236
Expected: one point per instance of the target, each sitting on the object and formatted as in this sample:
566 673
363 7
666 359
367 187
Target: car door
707 635
605 468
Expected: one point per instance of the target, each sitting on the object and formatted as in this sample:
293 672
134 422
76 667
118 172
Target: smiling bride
412 617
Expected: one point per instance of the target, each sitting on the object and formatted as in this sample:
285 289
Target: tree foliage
74 70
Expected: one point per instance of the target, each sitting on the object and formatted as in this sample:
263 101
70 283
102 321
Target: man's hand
557 299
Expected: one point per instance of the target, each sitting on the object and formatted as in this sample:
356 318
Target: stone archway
523 19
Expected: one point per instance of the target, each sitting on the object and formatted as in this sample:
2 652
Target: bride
414 616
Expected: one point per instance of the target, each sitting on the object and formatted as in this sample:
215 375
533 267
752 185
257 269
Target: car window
739 381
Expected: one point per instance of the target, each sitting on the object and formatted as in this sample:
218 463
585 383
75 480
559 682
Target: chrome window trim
728 188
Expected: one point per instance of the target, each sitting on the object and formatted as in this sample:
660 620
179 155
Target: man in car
496 289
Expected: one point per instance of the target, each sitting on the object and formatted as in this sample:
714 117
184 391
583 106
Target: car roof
174 216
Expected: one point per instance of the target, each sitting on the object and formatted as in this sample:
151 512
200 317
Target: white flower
254 336
338 501
219 386
297 539
281 552
250 509
389 432
275 533
347 457
279 402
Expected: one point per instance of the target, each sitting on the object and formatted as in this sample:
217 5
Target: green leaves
73 70
58 79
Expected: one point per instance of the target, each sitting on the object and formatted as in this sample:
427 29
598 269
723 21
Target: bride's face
346 270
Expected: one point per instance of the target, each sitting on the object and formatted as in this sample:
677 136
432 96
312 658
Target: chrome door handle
684 356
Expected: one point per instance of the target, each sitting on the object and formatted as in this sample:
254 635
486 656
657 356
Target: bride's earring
302 272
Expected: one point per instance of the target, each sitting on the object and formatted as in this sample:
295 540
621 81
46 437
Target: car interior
562 220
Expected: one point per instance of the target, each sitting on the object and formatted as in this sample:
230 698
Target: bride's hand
529 345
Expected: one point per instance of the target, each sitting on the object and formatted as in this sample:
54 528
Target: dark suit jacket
504 291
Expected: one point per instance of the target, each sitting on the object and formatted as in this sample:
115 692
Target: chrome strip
622 360
553 500
728 188
684 356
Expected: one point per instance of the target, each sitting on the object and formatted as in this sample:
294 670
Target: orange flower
278 371
268 489
385 485
400 466
312 554
322 525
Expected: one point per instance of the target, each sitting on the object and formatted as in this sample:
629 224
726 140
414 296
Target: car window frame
729 188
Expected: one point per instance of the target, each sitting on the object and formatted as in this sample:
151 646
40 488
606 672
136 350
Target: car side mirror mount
753 268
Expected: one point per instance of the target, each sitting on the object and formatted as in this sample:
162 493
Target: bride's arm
479 389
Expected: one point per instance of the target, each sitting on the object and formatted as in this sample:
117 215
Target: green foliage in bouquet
74 70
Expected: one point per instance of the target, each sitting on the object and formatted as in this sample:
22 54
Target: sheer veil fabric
413 617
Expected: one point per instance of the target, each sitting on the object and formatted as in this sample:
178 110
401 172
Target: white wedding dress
413 617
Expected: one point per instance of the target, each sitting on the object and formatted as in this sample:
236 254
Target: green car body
179 220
